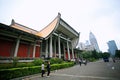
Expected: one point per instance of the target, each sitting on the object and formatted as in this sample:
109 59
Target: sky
101 17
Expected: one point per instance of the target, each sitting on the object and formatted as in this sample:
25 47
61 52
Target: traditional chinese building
58 39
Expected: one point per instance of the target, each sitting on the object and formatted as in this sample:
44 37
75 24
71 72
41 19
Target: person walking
85 61
113 60
80 62
42 69
48 69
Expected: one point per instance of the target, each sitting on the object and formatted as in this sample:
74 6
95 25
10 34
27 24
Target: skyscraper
112 47
93 42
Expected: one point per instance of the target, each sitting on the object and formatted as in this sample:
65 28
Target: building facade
94 42
112 47
58 39
86 47
90 44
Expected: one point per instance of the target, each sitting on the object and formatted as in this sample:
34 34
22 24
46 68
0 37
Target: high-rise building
81 46
93 42
112 47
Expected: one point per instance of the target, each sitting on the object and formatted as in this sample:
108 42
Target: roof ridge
46 31
13 22
50 22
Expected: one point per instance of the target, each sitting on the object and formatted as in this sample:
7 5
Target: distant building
112 47
89 48
86 46
87 43
90 44
93 42
81 46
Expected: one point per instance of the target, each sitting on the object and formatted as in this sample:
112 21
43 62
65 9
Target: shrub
91 59
25 64
19 64
60 66
6 65
106 55
56 61
37 62
15 61
18 72
6 74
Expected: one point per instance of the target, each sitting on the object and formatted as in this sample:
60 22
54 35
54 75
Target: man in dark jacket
48 69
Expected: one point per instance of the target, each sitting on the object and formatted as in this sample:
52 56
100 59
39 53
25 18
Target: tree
100 55
95 54
117 53
86 54
90 55
106 55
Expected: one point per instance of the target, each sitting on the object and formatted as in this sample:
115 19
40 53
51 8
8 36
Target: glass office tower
112 47
93 42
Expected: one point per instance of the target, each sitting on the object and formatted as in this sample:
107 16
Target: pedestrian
113 60
42 69
80 62
86 62
48 69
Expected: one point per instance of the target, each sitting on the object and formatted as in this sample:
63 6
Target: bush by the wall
19 65
15 61
6 66
37 62
6 74
91 59
56 61
16 64
60 66
25 64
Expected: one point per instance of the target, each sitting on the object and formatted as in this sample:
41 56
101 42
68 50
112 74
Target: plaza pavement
92 71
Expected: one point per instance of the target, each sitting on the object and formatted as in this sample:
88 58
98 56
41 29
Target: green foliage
56 61
6 66
27 64
117 53
6 74
91 59
15 61
37 62
91 55
95 54
100 55
86 54
19 64
106 55
60 66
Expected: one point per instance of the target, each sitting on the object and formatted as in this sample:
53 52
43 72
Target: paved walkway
93 71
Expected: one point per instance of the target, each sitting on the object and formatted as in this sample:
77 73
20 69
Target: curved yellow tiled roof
26 29
43 33
23 28
48 29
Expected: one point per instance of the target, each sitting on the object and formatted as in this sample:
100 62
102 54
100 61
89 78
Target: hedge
6 74
56 61
19 65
